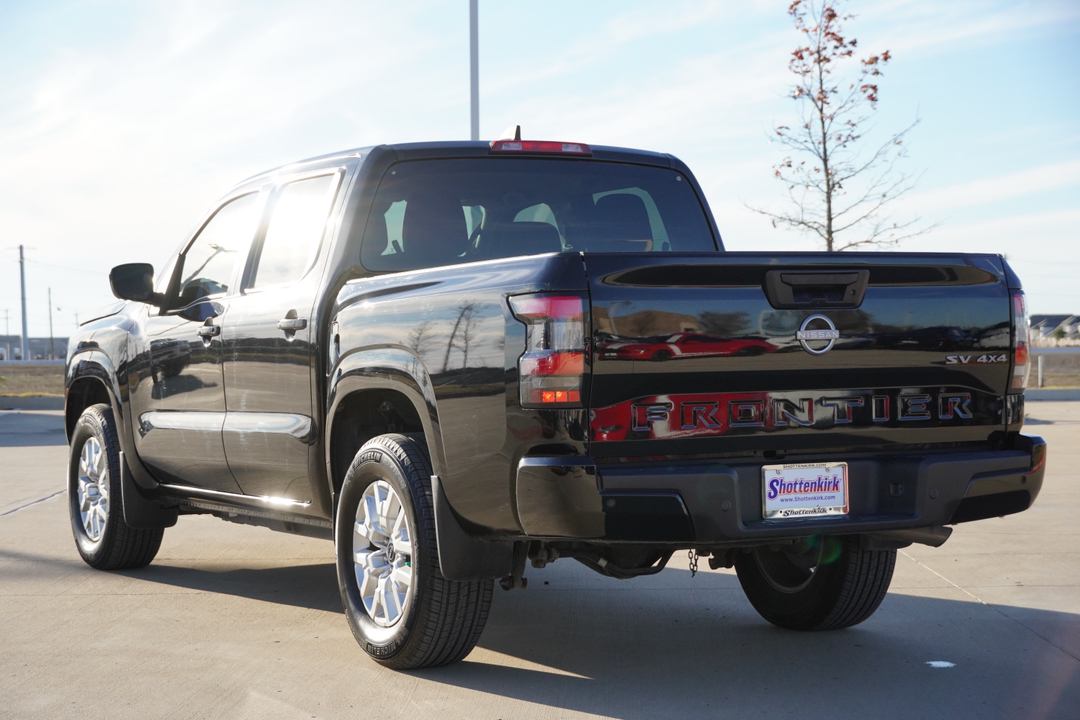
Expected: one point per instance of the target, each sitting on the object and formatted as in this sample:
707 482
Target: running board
280 522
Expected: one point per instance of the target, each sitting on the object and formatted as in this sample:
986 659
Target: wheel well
362 416
83 393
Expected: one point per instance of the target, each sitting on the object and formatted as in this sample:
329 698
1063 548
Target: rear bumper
713 503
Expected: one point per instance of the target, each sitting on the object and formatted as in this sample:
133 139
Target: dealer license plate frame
810 505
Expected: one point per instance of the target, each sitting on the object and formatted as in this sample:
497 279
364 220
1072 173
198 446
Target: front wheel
401 609
105 541
820 584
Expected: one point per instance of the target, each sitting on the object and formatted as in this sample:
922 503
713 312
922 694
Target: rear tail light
541 147
551 372
1020 347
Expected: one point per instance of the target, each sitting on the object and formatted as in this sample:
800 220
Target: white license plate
808 490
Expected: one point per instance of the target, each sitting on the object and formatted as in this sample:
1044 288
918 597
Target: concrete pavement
238 622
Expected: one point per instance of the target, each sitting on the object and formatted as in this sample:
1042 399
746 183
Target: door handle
209 331
292 324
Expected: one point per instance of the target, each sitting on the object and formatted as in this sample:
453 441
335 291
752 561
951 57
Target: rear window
439 212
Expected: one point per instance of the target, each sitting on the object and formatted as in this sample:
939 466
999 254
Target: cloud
113 151
907 26
990 191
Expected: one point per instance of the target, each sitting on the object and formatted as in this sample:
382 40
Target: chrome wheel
93 487
383 554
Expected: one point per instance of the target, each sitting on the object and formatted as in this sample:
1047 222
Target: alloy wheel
383 554
93 486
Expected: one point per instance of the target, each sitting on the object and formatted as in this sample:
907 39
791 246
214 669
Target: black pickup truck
456 358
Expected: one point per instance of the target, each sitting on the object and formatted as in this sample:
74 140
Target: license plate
808 490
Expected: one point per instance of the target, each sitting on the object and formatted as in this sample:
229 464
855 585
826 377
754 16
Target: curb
1036 394
31 403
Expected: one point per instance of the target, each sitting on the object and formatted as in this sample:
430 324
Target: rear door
795 352
269 352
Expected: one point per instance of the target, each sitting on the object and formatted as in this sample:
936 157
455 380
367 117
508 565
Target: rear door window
440 212
295 231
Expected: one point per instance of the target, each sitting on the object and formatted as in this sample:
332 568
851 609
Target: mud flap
139 511
461 556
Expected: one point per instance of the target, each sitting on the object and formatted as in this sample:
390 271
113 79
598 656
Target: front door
179 406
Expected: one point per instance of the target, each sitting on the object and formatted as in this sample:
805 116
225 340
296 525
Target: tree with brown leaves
838 190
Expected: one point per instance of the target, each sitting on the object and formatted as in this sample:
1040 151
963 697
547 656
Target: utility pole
52 352
474 68
22 282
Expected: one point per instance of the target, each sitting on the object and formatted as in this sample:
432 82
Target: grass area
31 380
1058 371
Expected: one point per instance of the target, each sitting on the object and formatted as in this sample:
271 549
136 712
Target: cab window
429 213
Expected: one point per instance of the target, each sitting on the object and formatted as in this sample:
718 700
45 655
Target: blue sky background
122 122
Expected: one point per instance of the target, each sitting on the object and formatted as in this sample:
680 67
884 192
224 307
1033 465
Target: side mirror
134 281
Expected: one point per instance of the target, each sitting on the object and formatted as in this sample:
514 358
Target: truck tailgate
761 355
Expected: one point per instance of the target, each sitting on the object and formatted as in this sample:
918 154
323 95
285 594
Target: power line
61 267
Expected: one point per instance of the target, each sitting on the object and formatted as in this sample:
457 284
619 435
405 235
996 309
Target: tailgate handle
789 289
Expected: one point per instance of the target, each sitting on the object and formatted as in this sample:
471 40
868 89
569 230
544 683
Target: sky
122 122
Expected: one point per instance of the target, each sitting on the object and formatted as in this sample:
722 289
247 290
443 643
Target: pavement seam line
31 504
988 605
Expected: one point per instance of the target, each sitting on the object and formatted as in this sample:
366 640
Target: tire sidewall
371 464
95 422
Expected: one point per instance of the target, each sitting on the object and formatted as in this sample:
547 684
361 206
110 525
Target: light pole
474 69
22 282
52 351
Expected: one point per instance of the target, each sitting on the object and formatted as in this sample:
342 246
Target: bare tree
838 190
462 334
420 337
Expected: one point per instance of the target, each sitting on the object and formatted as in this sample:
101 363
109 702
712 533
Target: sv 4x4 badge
973 360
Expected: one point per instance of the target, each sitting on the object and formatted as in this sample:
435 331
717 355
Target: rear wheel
105 541
821 584
401 609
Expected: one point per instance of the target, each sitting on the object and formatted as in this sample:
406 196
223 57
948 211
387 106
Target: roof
1048 320
465 148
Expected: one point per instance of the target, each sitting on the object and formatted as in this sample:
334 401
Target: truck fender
388 368
95 363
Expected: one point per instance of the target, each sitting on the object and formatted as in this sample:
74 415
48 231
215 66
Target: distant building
11 347
1046 329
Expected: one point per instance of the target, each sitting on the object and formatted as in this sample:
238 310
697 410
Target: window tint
295 230
438 212
209 260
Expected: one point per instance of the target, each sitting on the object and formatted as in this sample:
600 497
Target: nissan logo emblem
817 334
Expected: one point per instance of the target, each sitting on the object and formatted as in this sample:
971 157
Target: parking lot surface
240 622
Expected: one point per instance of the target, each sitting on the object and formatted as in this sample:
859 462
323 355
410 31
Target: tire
830 583
95 502
402 611
661 355
751 351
